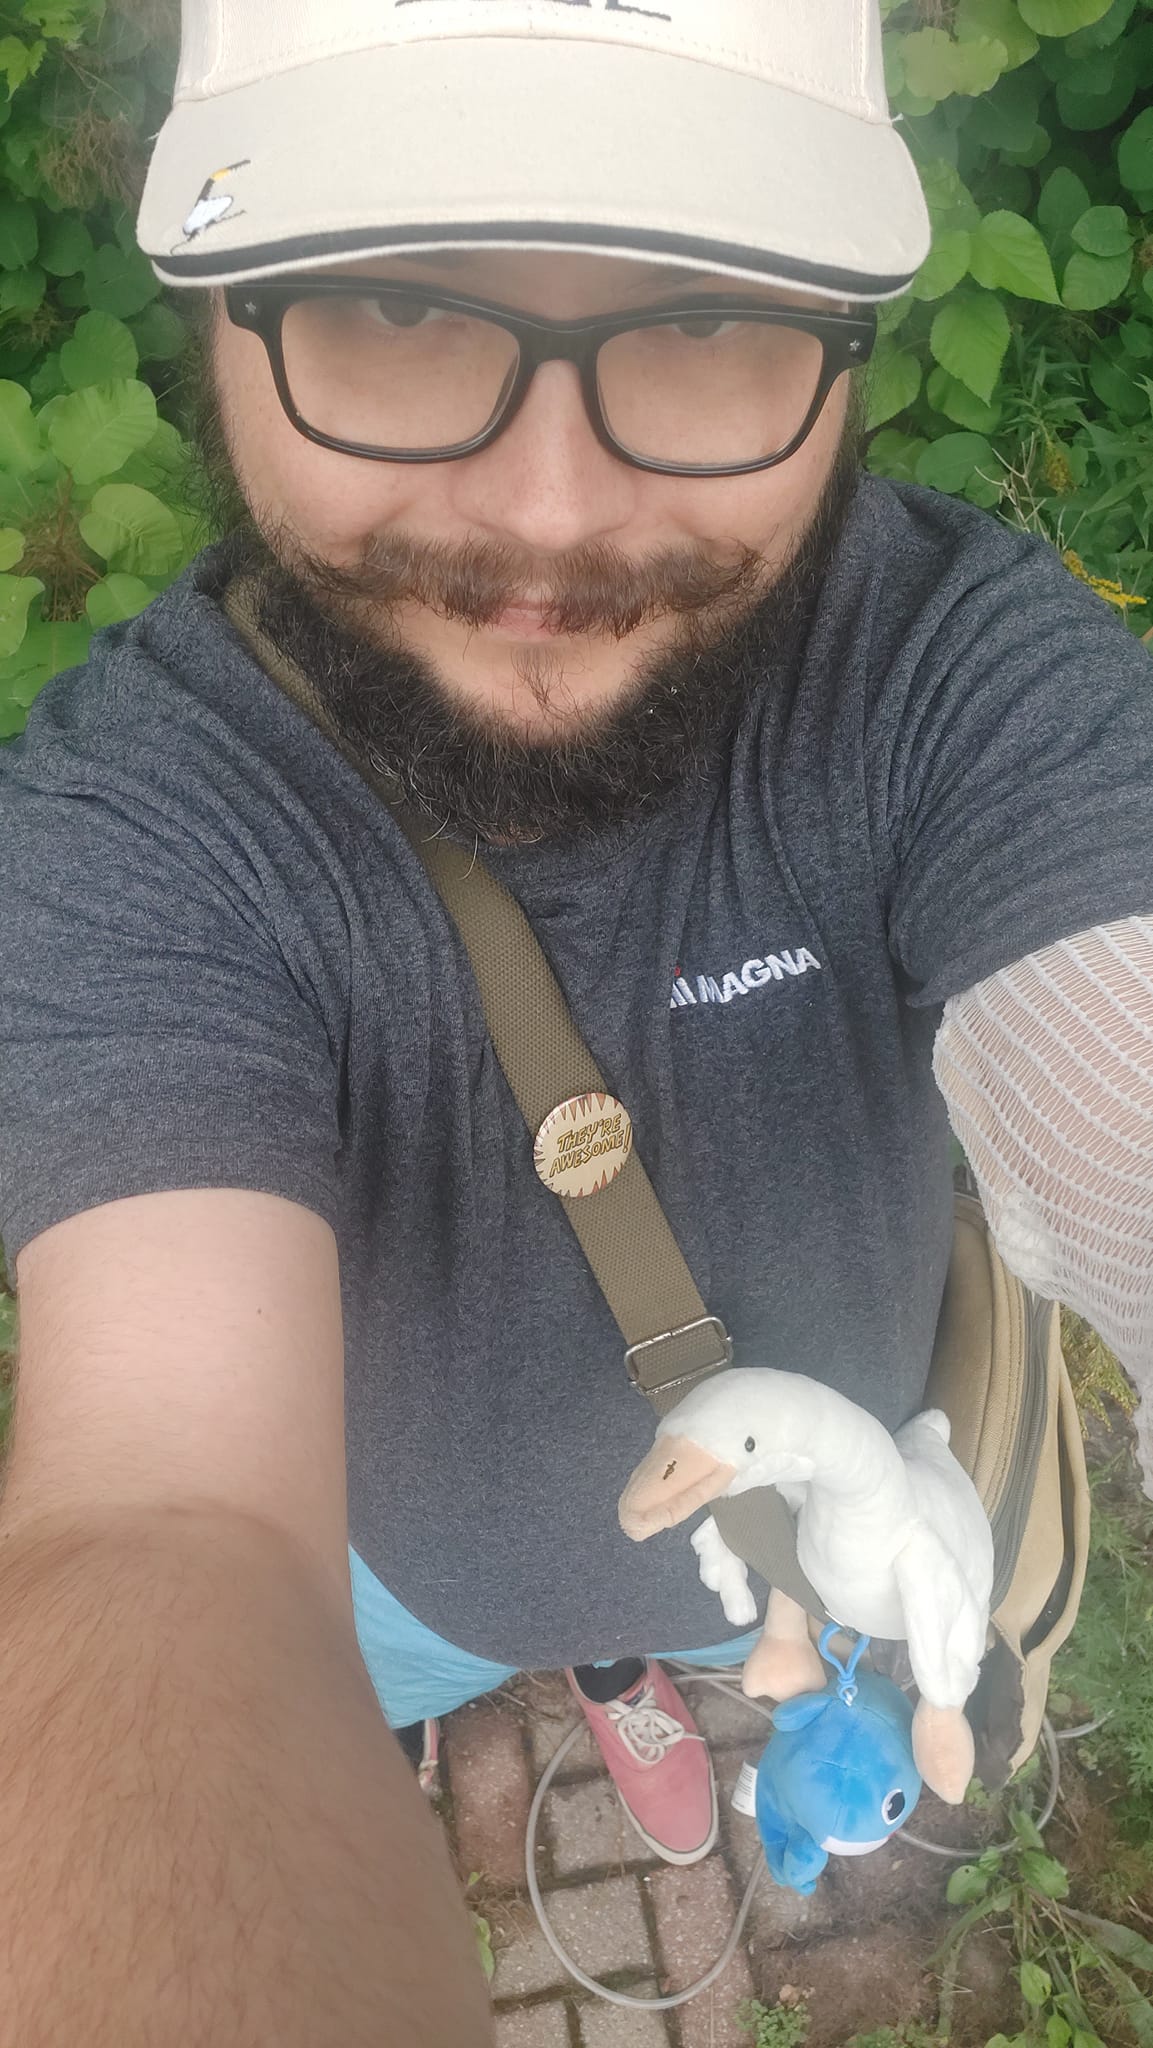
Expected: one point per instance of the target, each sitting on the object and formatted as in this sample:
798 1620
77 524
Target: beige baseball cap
747 137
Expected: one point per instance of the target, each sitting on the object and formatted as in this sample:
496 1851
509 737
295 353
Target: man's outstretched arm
1047 1071
207 1833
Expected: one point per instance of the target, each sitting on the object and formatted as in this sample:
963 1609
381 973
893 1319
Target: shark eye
892 1808
750 1443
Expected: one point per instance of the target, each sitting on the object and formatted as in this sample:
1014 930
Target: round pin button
583 1144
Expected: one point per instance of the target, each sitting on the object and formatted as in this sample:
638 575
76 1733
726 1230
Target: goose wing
945 1622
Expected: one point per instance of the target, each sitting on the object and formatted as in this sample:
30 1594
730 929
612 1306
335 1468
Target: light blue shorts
417 1674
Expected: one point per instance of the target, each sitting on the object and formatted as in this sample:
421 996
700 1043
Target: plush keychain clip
837 1777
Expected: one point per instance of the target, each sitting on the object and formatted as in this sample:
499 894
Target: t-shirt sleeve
153 1033
1015 785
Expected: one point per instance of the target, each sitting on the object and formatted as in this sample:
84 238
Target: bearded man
535 333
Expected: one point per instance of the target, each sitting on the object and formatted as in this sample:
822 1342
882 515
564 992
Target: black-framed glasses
712 386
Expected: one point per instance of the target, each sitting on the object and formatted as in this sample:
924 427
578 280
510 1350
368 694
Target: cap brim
504 142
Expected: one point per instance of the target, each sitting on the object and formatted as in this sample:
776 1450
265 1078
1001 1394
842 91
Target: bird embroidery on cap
212 206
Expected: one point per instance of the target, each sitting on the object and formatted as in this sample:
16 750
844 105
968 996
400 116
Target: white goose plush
891 1534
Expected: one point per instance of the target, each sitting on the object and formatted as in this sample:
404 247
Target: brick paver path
857 1948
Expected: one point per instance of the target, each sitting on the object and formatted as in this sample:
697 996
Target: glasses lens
709 390
395 373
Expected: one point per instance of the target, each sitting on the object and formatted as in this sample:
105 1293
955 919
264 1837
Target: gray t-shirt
222 964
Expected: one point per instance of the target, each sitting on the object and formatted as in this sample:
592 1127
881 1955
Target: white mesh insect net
1047 1071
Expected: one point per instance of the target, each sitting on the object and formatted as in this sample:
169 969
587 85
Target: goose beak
674 1480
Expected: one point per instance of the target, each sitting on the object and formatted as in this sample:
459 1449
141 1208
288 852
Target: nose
546 483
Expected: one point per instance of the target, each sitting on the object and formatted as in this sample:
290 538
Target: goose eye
892 1808
750 1443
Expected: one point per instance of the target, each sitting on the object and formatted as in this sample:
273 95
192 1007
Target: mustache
594 589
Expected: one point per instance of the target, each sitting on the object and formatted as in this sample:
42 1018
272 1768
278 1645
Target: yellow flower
1103 585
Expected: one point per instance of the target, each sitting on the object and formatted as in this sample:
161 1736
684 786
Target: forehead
567 282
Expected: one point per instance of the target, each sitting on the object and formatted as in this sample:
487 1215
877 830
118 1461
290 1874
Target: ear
798 1713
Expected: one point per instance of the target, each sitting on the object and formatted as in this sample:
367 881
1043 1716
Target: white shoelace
648 1733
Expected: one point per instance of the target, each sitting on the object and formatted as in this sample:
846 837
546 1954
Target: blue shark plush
838 1775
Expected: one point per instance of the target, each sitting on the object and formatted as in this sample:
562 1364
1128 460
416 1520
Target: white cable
686 1674
689 1674
1049 1740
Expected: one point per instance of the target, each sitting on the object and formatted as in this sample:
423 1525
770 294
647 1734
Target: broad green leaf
1058 2032
1061 17
1117 386
936 66
1039 146
948 198
65 246
131 530
160 333
1084 111
1036 1983
99 350
1062 202
999 20
1124 1942
1006 118
21 291
892 313
1092 281
21 447
11 547
94 431
1008 253
120 282
1136 338
945 265
1103 231
969 337
950 463
894 454
47 379
117 598
1025 1829
1135 154
1112 24
19 233
19 60
16 594
966 1884
1045 1874
959 404
894 380
48 647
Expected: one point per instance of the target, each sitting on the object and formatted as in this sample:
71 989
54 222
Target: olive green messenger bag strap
582 1135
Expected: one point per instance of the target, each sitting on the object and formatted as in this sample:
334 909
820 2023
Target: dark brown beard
665 735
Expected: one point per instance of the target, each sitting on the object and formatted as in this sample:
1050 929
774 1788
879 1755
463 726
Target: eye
892 1808
707 328
406 312
750 1443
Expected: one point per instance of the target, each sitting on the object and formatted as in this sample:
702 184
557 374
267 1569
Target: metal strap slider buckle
640 1362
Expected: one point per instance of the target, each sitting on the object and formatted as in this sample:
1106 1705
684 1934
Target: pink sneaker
659 1764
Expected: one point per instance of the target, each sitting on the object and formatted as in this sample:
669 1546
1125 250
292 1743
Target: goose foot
786 1661
943 1750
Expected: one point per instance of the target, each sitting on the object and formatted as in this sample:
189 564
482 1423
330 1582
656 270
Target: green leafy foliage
94 469
1081 1978
774 2026
1029 327
1106 1667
